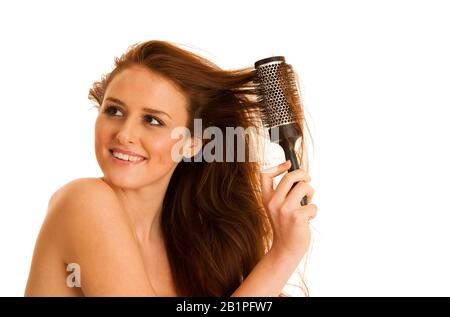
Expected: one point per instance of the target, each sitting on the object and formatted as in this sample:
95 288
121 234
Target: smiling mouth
126 158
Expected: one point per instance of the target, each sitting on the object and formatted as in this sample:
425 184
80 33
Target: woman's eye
153 121
110 110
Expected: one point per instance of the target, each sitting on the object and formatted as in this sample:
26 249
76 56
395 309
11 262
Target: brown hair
213 221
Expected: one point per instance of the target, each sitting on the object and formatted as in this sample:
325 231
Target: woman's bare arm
92 230
290 224
269 276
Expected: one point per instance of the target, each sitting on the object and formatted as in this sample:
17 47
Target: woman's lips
127 152
123 162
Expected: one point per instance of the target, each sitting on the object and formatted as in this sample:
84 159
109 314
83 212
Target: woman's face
124 124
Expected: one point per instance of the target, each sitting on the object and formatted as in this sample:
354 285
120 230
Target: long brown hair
213 221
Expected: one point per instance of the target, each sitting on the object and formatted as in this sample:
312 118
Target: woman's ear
191 147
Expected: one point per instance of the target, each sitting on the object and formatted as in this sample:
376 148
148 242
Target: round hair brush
280 105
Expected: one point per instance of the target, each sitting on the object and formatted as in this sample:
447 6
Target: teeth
126 157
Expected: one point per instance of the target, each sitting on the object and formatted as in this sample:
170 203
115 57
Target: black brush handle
286 136
289 153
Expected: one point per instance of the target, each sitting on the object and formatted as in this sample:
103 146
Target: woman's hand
289 219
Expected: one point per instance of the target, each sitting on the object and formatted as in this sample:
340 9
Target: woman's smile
125 159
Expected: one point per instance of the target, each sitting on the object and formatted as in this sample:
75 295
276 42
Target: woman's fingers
301 214
288 218
289 179
286 184
305 214
268 175
297 193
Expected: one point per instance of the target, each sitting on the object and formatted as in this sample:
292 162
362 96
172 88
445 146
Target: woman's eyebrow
150 110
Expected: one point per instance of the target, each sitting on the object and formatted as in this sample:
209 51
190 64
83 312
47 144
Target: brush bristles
277 94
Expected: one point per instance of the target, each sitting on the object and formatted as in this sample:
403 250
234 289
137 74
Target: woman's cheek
103 130
162 147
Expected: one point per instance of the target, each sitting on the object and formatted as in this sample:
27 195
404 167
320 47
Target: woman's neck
144 208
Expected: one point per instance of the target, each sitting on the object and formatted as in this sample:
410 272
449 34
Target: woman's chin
122 180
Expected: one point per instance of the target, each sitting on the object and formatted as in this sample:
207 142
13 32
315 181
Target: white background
375 77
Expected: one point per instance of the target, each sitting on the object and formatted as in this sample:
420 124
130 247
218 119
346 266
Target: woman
158 225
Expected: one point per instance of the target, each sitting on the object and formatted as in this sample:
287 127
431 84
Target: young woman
154 225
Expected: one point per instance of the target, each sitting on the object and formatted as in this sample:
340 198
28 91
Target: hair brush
279 102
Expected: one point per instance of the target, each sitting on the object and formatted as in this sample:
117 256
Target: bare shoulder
81 191
93 231
82 202
86 199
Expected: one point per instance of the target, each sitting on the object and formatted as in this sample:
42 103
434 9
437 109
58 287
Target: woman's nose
128 133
